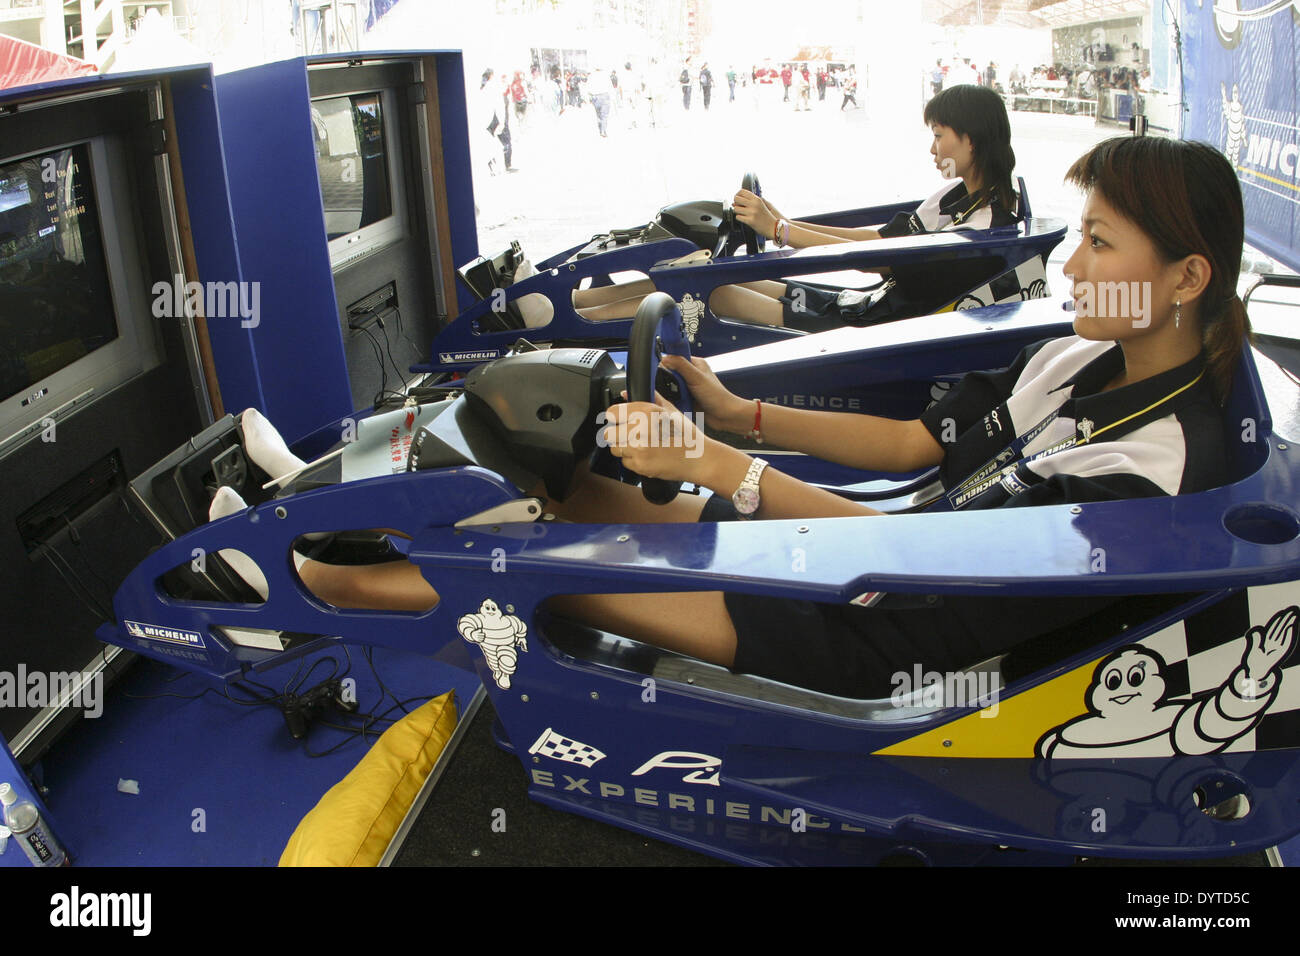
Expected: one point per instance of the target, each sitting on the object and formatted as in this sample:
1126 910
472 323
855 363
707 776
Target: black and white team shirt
1043 431
927 285
949 208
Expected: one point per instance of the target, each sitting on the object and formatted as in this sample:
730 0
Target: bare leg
740 302
694 623
605 294
601 500
393 586
771 288
755 302
618 309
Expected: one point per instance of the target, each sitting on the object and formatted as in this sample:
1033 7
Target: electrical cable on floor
353 725
369 655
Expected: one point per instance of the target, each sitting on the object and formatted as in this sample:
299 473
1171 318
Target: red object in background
25 64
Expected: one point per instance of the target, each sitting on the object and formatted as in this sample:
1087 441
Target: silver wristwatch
745 499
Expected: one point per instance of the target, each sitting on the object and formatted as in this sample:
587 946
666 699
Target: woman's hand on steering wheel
772 210
753 211
721 408
656 441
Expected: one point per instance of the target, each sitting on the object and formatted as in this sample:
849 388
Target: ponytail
1223 336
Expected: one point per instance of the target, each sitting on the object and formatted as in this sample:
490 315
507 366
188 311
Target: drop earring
1178 312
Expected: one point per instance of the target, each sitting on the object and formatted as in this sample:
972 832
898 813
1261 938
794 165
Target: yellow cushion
355 821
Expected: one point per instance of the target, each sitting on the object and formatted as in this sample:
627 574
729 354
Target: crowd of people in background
1081 82
798 80
1054 81
623 96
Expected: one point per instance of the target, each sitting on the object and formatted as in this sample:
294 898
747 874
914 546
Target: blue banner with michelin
1240 82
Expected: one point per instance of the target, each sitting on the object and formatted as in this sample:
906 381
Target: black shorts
861 652
823 647
810 308
817 308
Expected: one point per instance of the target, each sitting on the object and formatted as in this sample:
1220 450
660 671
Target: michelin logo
1265 150
482 355
169 634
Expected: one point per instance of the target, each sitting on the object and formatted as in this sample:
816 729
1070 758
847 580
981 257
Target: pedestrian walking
599 90
803 82
706 84
496 115
850 88
519 95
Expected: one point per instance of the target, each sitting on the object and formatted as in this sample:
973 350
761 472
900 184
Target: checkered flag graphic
558 747
1202 651
1028 280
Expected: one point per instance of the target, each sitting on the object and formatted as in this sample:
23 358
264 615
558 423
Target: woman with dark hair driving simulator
1127 406
971 143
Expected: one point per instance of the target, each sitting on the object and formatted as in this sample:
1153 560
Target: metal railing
1046 103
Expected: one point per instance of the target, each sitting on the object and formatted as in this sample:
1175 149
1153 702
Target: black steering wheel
738 233
657 331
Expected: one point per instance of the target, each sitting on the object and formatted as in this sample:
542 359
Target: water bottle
24 820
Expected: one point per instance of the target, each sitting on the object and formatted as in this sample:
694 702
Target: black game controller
301 709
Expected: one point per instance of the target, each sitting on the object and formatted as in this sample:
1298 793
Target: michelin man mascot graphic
1129 716
1235 115
498 634
692 309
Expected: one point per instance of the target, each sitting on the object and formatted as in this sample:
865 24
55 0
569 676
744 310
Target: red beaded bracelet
756 433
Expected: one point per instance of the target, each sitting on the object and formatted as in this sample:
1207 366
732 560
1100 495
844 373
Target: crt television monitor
73 324
357 155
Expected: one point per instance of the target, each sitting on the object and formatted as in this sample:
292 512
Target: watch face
745 500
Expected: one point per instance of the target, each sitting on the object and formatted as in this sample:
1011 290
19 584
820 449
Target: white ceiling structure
1029 13
1064 13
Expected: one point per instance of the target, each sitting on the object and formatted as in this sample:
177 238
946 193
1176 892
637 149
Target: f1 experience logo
171 635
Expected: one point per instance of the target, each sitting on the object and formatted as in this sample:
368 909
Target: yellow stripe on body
1015 726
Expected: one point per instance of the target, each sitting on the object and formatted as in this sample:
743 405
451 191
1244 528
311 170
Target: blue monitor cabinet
352 202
